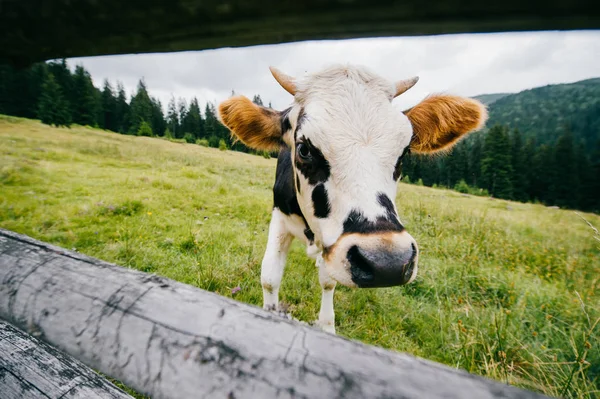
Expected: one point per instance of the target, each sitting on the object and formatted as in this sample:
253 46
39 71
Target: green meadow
506 290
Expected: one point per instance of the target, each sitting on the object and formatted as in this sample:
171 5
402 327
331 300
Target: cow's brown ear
256 126
440 121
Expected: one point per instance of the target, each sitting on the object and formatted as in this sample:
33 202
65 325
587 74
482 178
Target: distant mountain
545 113
488 99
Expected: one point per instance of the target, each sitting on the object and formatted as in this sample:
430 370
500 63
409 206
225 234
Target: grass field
506 290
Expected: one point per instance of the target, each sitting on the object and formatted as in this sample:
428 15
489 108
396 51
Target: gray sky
468 64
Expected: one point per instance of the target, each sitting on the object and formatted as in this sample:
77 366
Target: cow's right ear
256 126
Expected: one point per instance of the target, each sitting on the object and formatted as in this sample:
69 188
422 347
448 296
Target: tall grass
506 290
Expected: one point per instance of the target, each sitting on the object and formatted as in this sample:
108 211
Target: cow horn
286 81
404 85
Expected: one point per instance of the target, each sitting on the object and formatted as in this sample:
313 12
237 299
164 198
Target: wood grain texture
30 368
170 340
36 30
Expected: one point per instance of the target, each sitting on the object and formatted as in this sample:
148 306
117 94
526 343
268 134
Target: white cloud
466 64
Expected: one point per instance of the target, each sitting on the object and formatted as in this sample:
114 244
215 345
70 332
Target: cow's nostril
360 267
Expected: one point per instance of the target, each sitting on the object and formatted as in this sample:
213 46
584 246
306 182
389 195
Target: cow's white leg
273 262
326 314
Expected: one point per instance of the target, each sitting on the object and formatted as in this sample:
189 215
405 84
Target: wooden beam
170 340
30 368
36 30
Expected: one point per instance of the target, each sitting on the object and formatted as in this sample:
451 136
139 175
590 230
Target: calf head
347 142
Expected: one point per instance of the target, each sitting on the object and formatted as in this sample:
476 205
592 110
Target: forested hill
546 113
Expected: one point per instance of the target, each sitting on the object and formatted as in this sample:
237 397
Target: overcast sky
467 64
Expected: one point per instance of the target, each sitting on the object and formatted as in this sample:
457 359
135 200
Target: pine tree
140 108
566 182
257 100
456 165
211 125
52 107
586 178
519 167
182 106
193 122
159 125
543 175
84 108
122 110
496 169
173 117
36 77
430 170
474 162
109 108
410 168
64 78
20 89
529 151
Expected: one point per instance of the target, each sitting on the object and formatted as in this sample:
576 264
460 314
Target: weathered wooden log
170 340
35 30
33 369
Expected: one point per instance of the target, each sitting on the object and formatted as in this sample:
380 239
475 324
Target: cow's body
341 148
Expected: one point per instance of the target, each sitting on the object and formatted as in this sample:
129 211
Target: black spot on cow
285 120
356 222
298 184
309 234
301 119
284 193
388 205
321 201
398 168
317 169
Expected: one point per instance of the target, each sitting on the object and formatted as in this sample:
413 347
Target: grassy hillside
506 290
545 113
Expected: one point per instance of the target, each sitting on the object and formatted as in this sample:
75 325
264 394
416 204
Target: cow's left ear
256 126
438 122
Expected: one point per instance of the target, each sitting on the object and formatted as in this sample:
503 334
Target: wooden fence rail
31 369
170 340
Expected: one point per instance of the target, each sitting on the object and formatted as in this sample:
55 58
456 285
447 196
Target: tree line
58 96
500 163
497 162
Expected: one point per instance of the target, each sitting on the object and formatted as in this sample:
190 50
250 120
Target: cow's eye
303 152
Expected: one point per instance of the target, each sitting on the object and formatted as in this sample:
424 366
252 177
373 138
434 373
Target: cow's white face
347 142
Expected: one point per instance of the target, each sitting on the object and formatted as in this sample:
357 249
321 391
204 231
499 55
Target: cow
341 144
